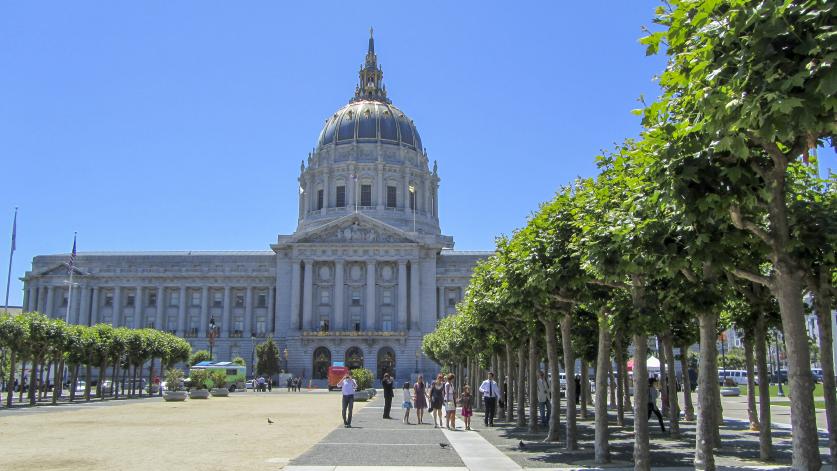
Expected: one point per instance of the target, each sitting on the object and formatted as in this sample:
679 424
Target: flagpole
11 257
70 286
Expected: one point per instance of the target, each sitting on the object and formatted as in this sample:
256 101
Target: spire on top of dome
371 77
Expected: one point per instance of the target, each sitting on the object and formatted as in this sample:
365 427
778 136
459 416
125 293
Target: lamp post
212 334
253 354
413 204
285 354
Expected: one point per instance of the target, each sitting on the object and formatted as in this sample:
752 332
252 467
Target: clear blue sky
162 125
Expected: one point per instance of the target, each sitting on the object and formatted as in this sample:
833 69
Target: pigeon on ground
269 421
521 445
443 445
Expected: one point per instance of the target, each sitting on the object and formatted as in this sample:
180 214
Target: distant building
366 274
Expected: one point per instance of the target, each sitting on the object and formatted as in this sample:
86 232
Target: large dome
370 121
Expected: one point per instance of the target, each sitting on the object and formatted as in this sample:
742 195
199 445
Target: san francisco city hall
366 274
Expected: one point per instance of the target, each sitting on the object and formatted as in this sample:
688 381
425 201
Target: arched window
322 360
386 362
354 358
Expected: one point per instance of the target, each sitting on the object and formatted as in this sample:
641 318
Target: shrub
239 361
198 379
174 379
363 377
218 379
199 356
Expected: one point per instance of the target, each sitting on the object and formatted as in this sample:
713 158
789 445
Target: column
42 293
32 305
295 294
440 302
425 192
306 195
339 321
405 201
204 311
25 304
138 308
402 295
326 186
117 307
248 310
84 315
380 181
307 295
271 315
415 293
49 295
94 310
225 317
371 300
160 323
74 301
181 312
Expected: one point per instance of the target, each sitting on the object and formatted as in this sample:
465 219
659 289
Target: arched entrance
354 358
386 362
322 360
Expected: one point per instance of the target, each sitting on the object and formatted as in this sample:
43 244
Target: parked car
738 376
817 373
249 384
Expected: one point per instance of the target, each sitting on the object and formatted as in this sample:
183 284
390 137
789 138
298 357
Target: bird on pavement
521 445
269 421
443 445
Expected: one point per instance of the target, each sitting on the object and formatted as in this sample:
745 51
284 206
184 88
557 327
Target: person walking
490 392
388 394
437 400
466 402
450 403
544 399
420 401
653 394
407 403
348 385
577 381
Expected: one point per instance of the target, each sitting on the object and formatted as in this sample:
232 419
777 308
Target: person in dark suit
387 382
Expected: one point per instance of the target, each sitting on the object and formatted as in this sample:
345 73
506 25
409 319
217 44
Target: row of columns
302 295
84 306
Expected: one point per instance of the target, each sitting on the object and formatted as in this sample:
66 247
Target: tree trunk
661 354
569 370
459 377
765 440
601 445
10 388
719 414
57 383
642 447
88 377
43 368
22 380
585 383
554 380
752 412
33 381
520 386
687 384
114 379
73 380
533 383
620 381
671 382
707 375
507 384
611 405
823 308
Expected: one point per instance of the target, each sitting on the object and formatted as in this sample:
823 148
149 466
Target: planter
362 396
170 396
199 394
728 392
220 392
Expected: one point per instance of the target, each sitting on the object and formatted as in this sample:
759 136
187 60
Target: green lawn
817 404
774 389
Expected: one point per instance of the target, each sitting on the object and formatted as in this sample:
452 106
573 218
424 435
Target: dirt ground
213 434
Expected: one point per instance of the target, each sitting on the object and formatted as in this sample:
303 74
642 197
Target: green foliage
267 358
363 377
199 356
199 379
218 379
174 379
239 361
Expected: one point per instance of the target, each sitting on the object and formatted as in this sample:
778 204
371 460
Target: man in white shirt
348 385
490 392
544 399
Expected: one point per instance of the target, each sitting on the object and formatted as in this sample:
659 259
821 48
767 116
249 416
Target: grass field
774 390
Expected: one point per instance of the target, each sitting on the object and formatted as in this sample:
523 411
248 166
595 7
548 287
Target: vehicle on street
817 373
738 376
235 372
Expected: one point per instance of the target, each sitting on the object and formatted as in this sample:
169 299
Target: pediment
355 229
62 269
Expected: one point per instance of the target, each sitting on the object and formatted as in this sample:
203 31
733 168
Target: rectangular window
319 199
239 300
174 298
172 324
325 296
261 299
355 297
340 196
238 325
392 199
108 300
130 300
366 195
260 327
217 299
452 300
386 296
196 298
386 324
324 324
152 299
357 326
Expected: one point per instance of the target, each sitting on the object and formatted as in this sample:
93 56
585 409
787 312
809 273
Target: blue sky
162 125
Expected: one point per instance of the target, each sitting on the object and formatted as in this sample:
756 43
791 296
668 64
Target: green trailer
236 374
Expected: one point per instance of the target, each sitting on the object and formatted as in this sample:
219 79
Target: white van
739 376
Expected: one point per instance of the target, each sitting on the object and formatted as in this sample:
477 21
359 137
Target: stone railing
352 333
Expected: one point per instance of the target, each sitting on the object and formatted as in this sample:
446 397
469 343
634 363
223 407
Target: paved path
377 444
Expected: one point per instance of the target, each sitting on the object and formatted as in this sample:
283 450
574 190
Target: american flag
73 253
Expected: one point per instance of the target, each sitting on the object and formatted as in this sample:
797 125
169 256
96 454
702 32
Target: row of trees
716 208
34 340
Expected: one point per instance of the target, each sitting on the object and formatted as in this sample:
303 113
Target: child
465 401
408 402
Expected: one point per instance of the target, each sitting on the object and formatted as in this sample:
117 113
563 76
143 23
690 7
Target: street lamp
212 334
253 354
413 204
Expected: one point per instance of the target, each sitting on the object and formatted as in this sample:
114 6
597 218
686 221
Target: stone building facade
366 274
